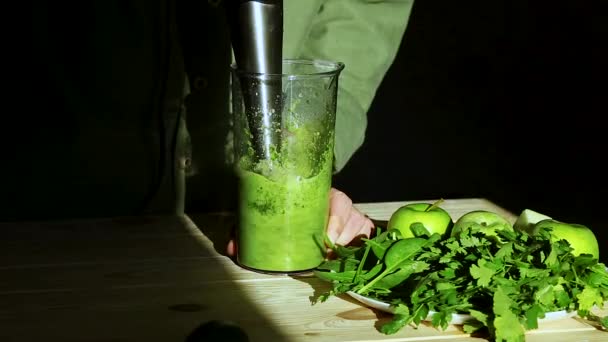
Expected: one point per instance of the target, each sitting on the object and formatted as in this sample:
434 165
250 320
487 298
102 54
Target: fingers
340 207
367 228
231 248
345 222
356 226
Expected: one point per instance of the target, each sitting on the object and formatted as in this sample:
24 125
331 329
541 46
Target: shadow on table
219 228
359 312
219 331
127 279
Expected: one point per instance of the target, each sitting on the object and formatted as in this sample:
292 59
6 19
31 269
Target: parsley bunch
506 282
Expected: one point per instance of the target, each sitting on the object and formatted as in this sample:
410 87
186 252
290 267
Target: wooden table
159 278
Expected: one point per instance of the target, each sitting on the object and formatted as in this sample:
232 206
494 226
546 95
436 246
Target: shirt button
200 83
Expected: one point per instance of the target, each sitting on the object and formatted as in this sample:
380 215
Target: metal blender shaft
257 41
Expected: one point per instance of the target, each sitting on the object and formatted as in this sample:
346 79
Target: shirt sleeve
365 35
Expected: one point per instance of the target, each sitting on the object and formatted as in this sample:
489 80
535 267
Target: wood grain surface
159 278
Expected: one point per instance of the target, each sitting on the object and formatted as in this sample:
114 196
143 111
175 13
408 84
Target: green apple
488 222
434 218
580 237
527 219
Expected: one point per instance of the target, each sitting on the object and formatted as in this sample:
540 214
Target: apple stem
435 205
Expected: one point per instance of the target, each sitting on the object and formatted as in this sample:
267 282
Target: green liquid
283 215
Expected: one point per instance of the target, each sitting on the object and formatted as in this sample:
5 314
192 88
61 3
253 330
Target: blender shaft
257 40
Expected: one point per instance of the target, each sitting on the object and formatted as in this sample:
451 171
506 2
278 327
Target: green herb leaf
508 329
479 316
471 327
402 251
505 251
588 298
419 230
532 316
347 276
378 247
400 319
399 253
506 324
362 262
408 268
482 273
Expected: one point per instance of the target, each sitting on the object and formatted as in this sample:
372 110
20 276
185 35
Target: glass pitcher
284 195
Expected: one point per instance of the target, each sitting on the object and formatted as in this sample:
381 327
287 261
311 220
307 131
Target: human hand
345 222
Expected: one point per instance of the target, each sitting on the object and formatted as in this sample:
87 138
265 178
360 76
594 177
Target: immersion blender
256 28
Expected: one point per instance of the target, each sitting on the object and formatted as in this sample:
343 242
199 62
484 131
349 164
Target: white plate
457 319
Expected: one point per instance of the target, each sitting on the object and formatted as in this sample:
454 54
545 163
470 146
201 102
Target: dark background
498 99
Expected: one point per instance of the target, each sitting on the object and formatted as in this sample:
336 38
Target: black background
498 99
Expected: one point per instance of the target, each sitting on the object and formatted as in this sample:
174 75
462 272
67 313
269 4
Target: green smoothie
284 208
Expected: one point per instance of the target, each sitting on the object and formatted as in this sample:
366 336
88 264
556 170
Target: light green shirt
363 34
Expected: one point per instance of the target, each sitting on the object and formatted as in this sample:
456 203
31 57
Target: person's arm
365 35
